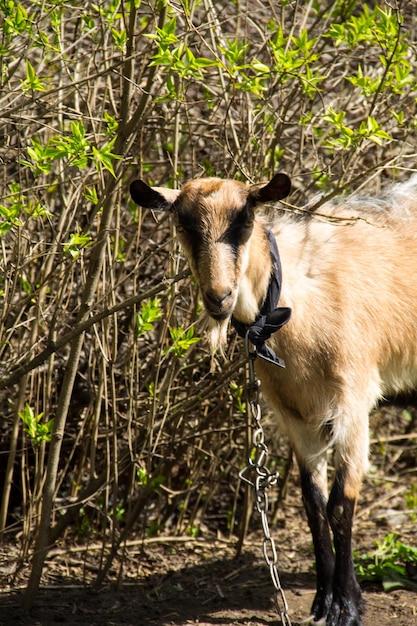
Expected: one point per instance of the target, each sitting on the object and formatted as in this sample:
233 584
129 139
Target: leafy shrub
98 315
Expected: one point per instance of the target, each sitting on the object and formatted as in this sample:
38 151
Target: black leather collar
271 318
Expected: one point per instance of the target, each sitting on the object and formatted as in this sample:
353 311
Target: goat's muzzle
219 304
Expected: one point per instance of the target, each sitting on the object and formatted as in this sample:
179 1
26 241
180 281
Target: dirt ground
195 584
174 581
221 592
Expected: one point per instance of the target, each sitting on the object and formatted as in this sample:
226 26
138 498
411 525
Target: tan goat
352 337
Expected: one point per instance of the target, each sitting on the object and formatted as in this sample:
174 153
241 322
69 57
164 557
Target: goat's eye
180 224
187 225
241 224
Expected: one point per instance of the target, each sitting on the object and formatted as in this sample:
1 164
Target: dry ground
171 581
174 582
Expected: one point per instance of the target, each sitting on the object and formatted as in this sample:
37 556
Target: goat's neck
256 274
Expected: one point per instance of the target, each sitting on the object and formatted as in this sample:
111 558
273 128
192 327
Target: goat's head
215 222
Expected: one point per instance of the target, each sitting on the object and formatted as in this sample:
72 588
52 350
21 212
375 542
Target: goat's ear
278 188
160 198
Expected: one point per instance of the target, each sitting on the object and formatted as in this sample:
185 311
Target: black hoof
321 606
345 612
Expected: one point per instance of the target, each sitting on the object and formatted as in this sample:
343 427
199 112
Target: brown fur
350 280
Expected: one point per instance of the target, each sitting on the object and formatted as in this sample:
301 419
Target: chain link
258 476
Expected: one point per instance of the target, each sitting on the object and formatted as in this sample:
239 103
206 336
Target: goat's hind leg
347 605
351 461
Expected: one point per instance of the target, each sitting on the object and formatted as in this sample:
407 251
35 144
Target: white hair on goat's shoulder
395 201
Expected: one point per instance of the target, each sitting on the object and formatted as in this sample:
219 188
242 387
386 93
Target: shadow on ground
221 592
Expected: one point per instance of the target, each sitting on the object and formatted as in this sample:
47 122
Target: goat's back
350 279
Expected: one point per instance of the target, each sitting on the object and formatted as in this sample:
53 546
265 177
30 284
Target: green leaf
37 430
150 312
32 82
105 157
90 194
182 341
387 564
77 242
119 38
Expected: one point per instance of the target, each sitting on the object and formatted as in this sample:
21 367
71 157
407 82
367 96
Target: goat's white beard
217 335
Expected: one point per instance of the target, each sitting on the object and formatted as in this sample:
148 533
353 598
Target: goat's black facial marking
189 233
186 223
239 229
233 229
240 226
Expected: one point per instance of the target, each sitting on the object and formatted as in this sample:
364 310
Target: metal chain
260 478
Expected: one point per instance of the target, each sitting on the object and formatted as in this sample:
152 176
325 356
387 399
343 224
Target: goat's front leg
314 491
347 604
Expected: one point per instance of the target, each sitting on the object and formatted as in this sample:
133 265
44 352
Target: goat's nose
217 298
